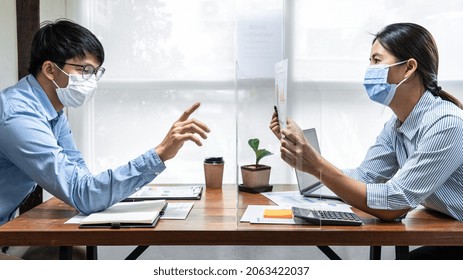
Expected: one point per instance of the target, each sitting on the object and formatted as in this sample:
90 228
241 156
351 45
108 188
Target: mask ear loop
398 63
406 78
61 71
401 82
53 81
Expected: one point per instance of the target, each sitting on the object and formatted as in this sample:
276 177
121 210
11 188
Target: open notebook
127 214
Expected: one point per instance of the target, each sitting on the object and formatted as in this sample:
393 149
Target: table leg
329 252
137 252
92 253
375 252
65 252
402 253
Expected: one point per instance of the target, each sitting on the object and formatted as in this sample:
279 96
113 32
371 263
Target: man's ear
412 65
48 70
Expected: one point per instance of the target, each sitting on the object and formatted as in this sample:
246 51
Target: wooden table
214 220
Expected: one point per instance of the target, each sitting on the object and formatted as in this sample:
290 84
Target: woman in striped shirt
417 158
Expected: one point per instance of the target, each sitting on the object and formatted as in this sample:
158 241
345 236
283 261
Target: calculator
323 217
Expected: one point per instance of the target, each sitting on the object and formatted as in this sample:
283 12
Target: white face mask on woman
78 90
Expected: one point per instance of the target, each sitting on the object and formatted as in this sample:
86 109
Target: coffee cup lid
214 160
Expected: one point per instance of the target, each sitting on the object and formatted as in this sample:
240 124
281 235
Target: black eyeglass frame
89 70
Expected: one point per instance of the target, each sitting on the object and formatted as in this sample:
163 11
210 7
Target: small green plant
260 153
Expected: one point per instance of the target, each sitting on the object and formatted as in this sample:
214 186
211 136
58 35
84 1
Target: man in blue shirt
37 145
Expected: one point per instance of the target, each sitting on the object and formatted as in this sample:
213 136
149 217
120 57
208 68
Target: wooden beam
27 23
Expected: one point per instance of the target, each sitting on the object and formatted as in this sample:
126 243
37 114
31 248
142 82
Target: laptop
308 184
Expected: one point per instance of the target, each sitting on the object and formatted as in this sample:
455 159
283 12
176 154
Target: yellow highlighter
278 213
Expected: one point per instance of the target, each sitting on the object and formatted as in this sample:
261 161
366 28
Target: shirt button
156 173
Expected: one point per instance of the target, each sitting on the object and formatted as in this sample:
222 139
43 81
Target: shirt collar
411 124
49 110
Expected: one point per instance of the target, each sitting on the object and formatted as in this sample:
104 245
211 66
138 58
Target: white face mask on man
78 90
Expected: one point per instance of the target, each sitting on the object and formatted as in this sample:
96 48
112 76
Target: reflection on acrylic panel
168 54
166 40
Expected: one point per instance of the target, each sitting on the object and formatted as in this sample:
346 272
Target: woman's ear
412 65
48 70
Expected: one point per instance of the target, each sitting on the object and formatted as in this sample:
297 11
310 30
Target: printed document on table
177 211
255 214
294 198
281 90
167 192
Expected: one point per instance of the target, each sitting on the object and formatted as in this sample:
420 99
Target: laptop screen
305 181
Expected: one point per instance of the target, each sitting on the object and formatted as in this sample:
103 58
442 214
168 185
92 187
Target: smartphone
275 108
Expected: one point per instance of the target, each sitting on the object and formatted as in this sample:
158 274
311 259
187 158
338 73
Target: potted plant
256 175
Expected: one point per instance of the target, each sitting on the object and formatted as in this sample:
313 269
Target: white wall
8 51
52 9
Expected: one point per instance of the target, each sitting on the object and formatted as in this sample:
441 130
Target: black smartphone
275 109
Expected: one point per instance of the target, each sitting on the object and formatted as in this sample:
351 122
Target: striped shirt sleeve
417 162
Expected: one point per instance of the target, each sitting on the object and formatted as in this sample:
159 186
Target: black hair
62 40
409 40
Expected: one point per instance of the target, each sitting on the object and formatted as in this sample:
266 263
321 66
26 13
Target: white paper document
177 211
255 214
259 42
281 90
167 192
294 198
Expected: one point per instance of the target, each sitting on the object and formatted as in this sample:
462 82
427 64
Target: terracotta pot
255 176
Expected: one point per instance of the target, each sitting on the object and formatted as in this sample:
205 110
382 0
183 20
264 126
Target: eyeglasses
89 70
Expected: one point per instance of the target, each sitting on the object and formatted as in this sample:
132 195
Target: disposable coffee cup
213 172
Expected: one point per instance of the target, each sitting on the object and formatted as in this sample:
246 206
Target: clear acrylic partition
166 56
264 37
326 62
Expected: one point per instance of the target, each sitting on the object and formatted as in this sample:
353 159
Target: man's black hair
62 40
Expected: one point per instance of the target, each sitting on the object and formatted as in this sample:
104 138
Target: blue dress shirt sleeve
45 151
